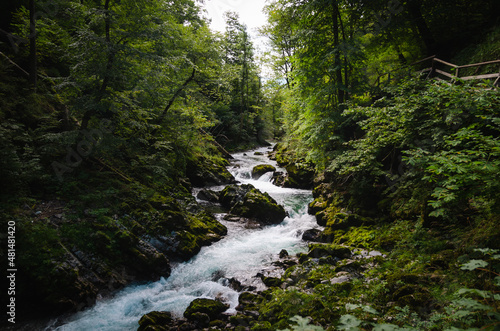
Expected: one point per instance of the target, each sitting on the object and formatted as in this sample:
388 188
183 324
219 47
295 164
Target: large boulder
261 169
299 176
203 172
155 320
247 201
212 308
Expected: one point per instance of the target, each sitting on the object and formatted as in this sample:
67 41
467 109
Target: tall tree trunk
346 73
336 42
414 8
33 57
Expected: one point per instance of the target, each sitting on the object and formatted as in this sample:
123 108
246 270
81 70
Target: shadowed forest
113 111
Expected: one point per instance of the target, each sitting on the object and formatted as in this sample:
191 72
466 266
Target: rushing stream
242 254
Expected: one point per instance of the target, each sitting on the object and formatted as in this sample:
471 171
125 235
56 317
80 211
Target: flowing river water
241 254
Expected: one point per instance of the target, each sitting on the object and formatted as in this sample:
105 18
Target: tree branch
176 94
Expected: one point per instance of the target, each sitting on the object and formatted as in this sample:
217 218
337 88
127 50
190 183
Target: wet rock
279 178
317 205
218 325
235 284
155 320
208 195
272 281
300 175
211 308
201 319
321 250
283 254
203 172
247 201
248 301
232 194
262 169
312 235
236 219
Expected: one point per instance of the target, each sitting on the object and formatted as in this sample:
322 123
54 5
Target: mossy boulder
312 235
212 308
232 194
208 195
247 201
341 221
203 172
272 281
155 320
317 205
201 230
262 169
322 250
300 175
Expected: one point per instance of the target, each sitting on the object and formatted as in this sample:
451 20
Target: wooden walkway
442 70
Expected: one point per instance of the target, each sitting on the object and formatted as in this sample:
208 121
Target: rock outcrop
248 202
262 169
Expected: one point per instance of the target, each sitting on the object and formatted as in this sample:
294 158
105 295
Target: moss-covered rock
201 230
247 201
203 172
299 175
311 235
272 281
261 169
208 195
102 244
155 320
212 308
232 194
323 250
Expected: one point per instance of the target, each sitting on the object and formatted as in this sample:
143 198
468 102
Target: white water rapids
241 254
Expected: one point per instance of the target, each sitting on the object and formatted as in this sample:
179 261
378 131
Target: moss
323 250
261 169
300 175
240 320
272 281
205 172
211 308
155 320
262 326
247 201
317 205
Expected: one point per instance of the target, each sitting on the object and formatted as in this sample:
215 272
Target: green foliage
303 325
469 309
433 146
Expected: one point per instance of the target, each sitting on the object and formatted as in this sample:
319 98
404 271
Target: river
241 254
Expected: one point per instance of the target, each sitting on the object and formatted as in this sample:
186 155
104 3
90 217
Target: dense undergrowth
419 185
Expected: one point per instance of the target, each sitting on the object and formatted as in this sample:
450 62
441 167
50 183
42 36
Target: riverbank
224 269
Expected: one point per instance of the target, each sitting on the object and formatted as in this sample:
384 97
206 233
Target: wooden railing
443 70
